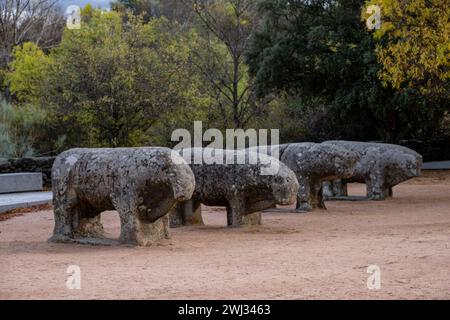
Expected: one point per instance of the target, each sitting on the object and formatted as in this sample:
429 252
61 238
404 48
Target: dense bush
321 54
112 83
19 129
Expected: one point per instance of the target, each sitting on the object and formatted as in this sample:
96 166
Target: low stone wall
41 164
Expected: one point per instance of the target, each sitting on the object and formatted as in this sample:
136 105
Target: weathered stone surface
187 213
314 163
241 188
142 184
334 187
380 166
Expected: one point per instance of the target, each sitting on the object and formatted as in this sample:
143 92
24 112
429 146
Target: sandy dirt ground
319 255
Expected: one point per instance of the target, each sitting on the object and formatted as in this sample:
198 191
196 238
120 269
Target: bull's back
97 173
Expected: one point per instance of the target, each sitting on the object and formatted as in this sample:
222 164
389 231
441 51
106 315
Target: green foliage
322 56
27 72
414 47
225 27
112 83
136 7
19 129
175 10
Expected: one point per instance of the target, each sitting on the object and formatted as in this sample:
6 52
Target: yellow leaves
230 9
87 11
417 48
27 71
116 71
244 22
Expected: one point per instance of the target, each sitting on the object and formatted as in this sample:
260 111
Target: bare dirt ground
324 254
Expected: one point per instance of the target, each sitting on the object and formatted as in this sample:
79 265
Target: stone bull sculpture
142 184
380 166
241 186
314 163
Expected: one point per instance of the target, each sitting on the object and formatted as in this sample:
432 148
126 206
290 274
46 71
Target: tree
26 20
173 10
414 46
28 72
146 8
223 28
40 22
115 84
226 28
320 54
19 129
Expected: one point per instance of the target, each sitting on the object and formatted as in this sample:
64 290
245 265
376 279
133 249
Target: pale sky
82 3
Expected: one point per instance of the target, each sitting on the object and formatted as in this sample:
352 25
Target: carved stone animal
142 184
314 163
243 187
380 166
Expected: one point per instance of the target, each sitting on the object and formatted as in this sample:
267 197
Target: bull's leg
86 221
229 215
235 211
253 214
84 224
74 218
141 225
252 219
386 192
63 230
375 188
340 188
390 192
187 213
176 215
88 224
318 201
136 232
304 196
327 189
192 215
128 222
149 233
